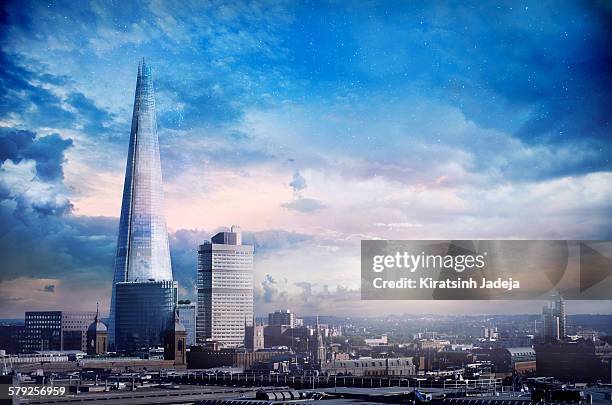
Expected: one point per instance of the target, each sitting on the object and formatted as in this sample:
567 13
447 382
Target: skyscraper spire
142 252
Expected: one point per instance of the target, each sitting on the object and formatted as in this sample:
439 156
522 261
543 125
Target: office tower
225 289
143 254
56 330
43 331
281 317
187 313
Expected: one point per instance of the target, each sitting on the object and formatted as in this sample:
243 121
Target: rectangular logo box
485 269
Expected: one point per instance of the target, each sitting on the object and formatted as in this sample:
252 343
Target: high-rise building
281 317
187 313
143 253
553 315
56 330
225 289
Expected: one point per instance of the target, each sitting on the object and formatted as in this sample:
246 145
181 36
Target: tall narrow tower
143 253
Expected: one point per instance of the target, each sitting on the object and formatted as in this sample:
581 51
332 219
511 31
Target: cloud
271 291
298 183
47 151
27 96
400 120
304 205
94 119
50 288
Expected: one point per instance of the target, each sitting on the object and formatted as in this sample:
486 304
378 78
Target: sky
312 125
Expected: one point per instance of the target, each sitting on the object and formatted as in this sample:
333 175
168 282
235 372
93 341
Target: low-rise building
204 358
367 366
513 359
581 361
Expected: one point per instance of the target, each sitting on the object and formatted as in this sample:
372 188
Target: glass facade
144 311
142 245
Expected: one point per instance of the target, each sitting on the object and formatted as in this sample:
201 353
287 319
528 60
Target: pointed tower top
97 311
177 325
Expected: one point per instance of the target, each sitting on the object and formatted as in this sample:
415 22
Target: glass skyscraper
143 253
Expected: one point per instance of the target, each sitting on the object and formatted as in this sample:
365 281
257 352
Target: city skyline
310 136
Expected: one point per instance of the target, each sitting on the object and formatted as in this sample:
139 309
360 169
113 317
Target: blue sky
313 125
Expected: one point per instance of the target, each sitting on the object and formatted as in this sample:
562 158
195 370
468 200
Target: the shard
143 254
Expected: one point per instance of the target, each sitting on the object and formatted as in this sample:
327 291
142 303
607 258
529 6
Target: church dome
97 326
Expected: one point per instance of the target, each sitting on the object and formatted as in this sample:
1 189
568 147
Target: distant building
201 358
282 317
381 341
298 339
254 337
367 366
225 289
187 313
580 361
489 333
436 344
319 352
56 330
513 359
553 314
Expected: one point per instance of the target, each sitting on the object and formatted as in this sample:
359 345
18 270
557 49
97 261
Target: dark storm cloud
50 288
47 151
37 218
59 245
